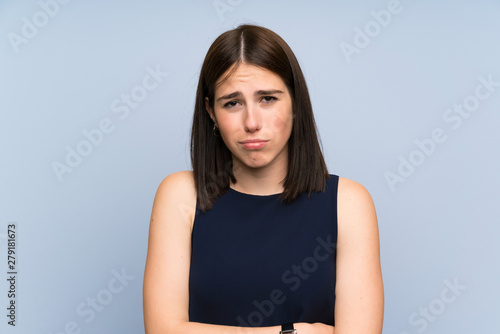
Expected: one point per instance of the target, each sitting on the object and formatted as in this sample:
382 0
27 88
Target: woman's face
253 110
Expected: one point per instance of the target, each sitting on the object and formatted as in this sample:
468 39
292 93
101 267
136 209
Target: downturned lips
253 144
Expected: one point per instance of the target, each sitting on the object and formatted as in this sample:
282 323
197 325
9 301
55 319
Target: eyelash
232 104
271 97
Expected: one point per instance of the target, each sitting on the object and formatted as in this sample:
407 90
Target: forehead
246 75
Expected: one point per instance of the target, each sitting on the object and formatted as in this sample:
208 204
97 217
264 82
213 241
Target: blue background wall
96 106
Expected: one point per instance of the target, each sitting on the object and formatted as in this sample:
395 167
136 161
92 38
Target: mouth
253 144
253 141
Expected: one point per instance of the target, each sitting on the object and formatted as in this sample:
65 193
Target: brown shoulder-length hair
211 159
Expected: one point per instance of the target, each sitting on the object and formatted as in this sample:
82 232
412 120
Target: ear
210 110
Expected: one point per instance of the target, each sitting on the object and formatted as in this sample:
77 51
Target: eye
230 104
269 99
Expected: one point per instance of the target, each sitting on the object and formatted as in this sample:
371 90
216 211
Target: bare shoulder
181 182
352 190
177 192
355 204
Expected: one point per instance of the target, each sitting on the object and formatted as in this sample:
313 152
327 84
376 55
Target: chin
257 163
252 163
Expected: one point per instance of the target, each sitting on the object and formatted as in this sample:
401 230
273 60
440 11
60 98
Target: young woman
259 237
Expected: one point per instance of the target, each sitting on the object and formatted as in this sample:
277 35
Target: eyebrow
257 93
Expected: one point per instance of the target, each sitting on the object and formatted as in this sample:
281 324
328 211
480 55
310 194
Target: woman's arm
359 292
165 290
166 276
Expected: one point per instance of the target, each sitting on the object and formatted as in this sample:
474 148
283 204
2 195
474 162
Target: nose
252 119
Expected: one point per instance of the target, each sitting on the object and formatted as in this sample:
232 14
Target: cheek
225 123
279 124
227 128
283 123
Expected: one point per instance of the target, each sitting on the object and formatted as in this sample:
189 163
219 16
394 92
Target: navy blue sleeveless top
257 261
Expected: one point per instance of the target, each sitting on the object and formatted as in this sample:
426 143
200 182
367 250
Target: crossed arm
359 291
